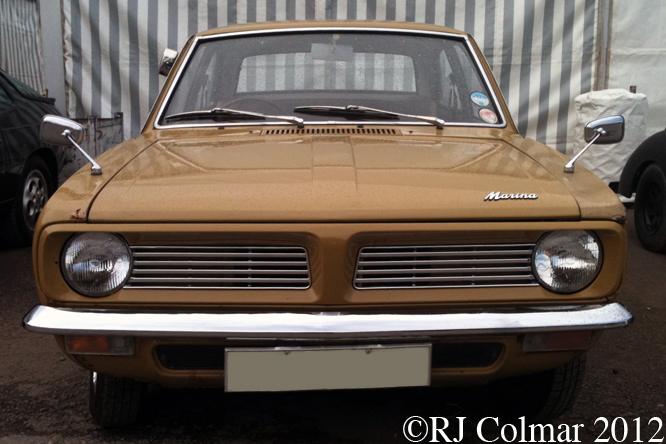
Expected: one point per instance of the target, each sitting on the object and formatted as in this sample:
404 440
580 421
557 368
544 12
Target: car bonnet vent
331 131
445 266
227 267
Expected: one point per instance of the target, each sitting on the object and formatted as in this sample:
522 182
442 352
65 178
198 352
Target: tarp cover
607 161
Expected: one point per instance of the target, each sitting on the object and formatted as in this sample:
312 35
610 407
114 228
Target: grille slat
445 266
225 263
215 279
443 270
452 262
203 271
212 267
442 278
448 253
250 256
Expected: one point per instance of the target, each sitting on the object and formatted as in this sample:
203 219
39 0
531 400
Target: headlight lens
96 264
567 261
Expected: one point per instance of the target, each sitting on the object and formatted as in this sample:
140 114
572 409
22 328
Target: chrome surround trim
196 40
494 255
217 256
63 321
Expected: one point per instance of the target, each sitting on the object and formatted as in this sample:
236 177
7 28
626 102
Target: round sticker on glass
488 115
480 99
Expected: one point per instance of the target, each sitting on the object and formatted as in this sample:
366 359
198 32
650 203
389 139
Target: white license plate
324 368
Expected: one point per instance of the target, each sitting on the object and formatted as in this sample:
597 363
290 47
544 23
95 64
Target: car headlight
567 261
96 264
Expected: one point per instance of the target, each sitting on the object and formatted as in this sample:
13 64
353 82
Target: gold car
328 205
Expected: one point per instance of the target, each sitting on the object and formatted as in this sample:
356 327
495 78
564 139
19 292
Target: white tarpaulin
607 161
638 54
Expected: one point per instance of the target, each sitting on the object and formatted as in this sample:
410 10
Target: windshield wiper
365 111
226 112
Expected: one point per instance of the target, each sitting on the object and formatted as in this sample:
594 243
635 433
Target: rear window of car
301 72
23 88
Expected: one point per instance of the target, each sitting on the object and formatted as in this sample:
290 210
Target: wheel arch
651 151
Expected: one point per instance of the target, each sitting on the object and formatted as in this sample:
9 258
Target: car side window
6 102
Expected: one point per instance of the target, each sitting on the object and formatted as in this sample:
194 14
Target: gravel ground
43 396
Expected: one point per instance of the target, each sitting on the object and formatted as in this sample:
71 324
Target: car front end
347 247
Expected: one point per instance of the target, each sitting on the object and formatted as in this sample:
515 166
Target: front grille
445 266
232 267
330 131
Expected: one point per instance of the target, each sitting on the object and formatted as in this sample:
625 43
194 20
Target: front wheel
115 402
18 224
544 396
650 209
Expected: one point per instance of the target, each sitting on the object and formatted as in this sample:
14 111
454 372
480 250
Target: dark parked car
645 175
28 168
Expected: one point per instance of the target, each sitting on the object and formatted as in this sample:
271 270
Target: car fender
652 150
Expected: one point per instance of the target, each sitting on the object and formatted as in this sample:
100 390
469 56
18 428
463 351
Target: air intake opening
445 266
222 267
331 131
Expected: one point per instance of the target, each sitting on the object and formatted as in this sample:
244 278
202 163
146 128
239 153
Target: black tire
544 396
650 209
17 225
115 402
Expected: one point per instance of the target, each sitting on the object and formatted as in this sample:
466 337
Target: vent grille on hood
445 266
228 267
332 131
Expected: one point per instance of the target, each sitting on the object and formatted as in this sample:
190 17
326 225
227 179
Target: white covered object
607 161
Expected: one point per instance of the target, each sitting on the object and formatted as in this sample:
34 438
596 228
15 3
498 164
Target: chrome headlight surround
567 261
96 264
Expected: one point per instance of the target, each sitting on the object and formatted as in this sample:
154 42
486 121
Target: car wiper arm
357 109
215 112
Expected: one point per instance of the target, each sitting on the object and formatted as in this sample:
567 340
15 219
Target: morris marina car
329 205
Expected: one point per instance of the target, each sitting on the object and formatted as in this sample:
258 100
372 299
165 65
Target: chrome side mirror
601 131
58 130
168 59
611 130
53 128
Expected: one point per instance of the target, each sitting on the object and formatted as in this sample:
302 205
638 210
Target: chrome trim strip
195 43
518 260
446 278
444 270
61 321
447 253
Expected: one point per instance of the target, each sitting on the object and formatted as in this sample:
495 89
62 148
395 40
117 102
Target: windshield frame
197 40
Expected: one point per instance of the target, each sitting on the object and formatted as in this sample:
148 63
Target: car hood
332 178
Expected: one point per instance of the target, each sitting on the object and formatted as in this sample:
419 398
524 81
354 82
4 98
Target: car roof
314 24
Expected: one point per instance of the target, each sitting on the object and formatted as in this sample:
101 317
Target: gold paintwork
331 194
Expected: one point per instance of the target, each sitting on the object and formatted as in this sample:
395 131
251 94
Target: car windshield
288 73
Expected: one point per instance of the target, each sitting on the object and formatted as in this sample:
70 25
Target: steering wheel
255 105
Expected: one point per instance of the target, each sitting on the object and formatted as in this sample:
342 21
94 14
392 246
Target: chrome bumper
60 321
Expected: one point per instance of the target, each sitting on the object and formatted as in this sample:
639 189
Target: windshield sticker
488 115
480 99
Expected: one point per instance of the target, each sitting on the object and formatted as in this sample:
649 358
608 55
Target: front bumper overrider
98 322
